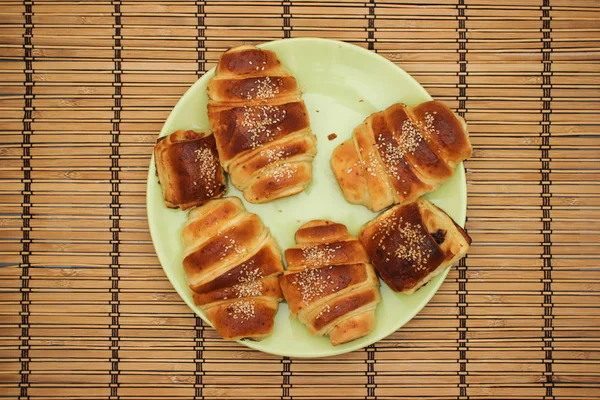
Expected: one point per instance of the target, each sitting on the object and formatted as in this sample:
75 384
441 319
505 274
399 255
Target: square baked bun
411 243
188 168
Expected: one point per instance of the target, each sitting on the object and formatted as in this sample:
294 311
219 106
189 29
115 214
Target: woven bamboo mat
85 309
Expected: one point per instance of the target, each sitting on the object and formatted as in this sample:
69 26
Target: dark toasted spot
439 236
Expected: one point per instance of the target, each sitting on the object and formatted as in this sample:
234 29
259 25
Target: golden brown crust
446 131
322 230
187 164
405 183
411 243
321 254
233 241
277 181
265 262
253 89
400 154
249 287
329 279
204 222
353 328
409 131
251 318
232 265
248 61
329 284
289 149
339 307
261 125
380 189
246 128
345 163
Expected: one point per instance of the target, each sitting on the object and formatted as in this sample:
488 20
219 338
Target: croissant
410 244
187 165
329 284
232 264
261 125
398 154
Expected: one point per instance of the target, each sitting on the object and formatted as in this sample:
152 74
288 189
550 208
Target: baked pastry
232 263
187 165
410 244
261 125
398 154
329 284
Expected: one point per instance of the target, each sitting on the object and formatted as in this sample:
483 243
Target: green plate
342 85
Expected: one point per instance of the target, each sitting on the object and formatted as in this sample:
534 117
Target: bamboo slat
85 309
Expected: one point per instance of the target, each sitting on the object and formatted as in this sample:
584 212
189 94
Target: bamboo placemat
86 311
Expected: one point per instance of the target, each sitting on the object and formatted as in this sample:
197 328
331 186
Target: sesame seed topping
406 141
410 137
310 283
232 245
208 168
260 89
266 89
411 241
325 310
429 120
283 171
242 310
248 289
318 256
411 248
249 282
260 121
371 165
273 154
391 153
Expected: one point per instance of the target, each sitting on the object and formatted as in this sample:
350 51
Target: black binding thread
199 344
546 206
462 266
371 349
286 372
287 23
26 217
198 326
371 25
114 378
201 33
